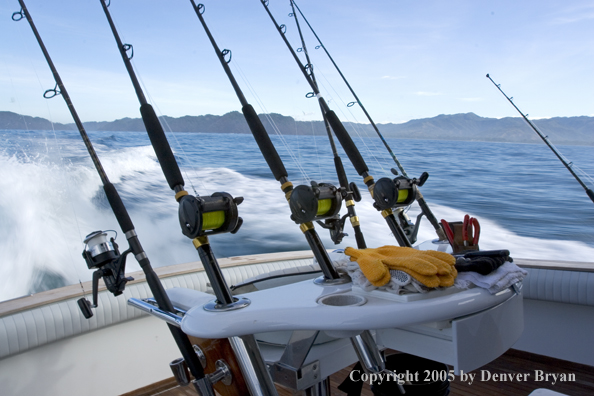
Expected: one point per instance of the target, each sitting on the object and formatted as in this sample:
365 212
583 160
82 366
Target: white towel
400 282
498 280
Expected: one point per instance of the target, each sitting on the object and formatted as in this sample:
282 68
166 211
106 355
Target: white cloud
423 93
574 14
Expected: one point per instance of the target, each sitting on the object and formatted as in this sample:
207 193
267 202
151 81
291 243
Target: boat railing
53 315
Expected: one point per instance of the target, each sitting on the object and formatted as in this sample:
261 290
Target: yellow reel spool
213 220
324 206
402 195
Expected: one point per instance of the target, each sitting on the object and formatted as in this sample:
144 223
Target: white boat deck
47 329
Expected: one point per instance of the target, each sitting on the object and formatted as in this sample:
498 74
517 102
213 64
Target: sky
405 59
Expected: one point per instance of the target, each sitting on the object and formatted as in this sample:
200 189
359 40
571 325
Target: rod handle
397 231
590 194
359 238
430 216
321 255
347 143
119 210
161 146
264 143
343 181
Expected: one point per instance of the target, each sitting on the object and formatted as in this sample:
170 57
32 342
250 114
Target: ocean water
51 197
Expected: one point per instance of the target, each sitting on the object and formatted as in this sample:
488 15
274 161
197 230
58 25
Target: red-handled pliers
448 231
472 226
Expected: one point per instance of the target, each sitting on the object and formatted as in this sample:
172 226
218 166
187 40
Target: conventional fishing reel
318 202
204 216
336 224
105 257
396 194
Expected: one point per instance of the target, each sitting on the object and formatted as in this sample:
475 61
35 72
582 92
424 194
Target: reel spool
318 202
98 250
204 216
105 257
396 193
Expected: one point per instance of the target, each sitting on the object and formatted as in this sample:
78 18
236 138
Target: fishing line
14 99
313 134
72 207
169 132
168 128
422 201
327 91
568 165
271 121
360 163
65 179
573 166
355 125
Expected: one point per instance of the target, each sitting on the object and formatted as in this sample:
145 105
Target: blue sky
405 59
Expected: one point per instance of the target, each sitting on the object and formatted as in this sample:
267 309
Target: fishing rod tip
487 75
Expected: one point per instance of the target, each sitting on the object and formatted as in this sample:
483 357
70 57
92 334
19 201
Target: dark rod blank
546 140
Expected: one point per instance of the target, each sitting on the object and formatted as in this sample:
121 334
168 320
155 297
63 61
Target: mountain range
468 126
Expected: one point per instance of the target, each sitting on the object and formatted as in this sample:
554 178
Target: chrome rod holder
222 373
201 355
368 353
168 317
179 368
252 366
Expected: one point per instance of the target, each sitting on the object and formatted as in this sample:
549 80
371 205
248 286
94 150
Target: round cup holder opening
342 300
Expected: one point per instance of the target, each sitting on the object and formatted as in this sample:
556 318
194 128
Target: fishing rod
387 193
350 191
201 217
546 140
307 204
293 4
102 255
420 199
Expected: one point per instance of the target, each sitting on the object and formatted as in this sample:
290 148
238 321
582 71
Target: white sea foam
46 209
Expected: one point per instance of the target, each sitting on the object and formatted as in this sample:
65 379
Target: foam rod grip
119 210
347 143
342 177
161 146
590 194
264 143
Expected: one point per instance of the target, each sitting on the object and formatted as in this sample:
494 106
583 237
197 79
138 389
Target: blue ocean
51 197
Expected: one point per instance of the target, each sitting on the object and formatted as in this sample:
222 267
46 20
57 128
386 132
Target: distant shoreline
460 127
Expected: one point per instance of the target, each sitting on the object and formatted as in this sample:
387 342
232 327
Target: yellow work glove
371 264
417 263
430 267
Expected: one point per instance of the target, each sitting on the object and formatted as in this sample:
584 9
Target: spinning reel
398 193
203 216
103 255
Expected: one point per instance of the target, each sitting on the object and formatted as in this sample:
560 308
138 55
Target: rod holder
201 355
222 373
179 368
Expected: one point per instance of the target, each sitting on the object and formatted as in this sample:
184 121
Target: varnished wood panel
512 362
220 349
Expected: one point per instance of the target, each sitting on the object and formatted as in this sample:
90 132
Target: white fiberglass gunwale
71 291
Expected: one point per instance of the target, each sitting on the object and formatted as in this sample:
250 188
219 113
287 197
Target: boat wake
48 206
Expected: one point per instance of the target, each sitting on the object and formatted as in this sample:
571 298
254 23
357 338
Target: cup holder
342 300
